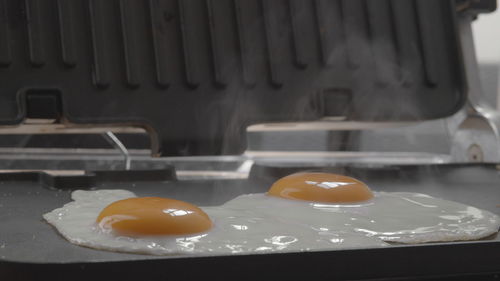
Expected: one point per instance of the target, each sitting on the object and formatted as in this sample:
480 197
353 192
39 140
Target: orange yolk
321 187
153 216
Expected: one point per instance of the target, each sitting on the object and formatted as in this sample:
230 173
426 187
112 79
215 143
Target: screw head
475 153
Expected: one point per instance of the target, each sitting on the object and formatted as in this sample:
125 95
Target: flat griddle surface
27 240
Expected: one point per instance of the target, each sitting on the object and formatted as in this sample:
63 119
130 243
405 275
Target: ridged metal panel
199 71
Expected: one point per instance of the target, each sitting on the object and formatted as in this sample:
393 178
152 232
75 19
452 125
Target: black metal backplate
89 179
197 72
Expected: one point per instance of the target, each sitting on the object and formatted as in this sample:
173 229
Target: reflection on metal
350 157
116 143
79 152
325 125
49 172
210 175
476 141
475 153
245 166
40 126
39 121
477 137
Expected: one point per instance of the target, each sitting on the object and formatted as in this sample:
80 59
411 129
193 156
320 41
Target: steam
383 82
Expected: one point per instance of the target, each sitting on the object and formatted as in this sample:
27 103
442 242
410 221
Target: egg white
236 230
260 223
401 217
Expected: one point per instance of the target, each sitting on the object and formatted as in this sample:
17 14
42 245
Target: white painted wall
487 38
487 35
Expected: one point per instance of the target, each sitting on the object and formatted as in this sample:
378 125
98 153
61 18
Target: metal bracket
117 144
476 6
477 138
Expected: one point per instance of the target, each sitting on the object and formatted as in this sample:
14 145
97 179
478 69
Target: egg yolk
153 216
321 187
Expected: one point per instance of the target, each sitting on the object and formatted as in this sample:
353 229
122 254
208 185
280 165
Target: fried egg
94 220
300 212
340 202
152 216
